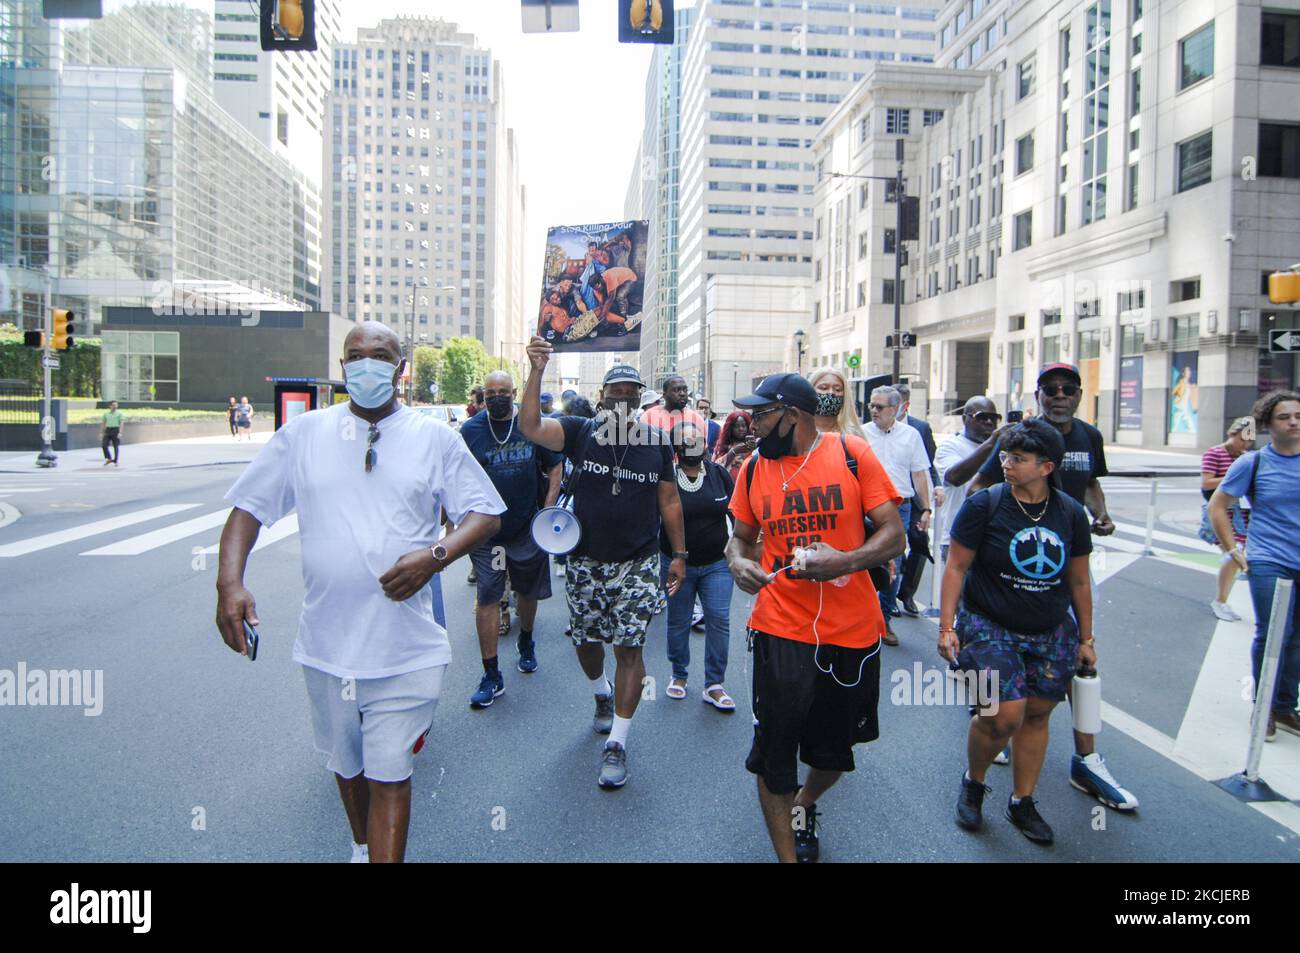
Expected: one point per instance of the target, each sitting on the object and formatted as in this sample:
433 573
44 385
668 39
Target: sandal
676 689
724 703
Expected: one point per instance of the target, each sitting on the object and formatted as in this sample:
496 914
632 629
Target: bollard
936 550
1249 786
1148 549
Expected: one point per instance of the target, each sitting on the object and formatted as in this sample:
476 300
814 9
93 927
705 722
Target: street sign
51 362
855 360
1284 342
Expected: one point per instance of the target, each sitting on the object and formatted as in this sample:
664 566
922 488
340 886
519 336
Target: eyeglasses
986 417
372 455
1012 459
764 413
879 408
1052 390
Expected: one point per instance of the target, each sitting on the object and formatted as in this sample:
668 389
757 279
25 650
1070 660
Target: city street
200 755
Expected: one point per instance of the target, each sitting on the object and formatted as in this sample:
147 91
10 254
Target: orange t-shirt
823 504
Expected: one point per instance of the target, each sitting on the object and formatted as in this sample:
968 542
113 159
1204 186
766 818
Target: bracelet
680 555
1090 642
949 629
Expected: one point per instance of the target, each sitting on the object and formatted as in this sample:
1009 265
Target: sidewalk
161 454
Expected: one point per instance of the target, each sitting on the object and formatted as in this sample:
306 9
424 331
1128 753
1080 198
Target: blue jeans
1262 577
714 585
889 598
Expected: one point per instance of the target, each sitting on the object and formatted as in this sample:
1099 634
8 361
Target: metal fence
20 402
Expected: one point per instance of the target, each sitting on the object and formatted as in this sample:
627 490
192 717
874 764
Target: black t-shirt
1019 577
623 526
1085 459
516 467
705 514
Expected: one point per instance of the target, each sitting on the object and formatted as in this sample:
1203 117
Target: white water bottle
1086 701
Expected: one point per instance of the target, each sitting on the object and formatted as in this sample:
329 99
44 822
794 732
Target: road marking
8 514
279 530
1132 529
49 540
136 545
11 490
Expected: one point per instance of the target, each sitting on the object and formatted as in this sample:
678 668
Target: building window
1023 230
1096 112
862 294
1025 78
889 241
141 366
897 121
931 116
1131 195
887 291
1051 348
1279 150
1196 56
1131 338
1016 322
1024 153
1135 92
864 245
1184 332
1188 289
1194 161
1280 40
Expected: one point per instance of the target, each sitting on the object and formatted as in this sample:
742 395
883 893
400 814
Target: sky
574 171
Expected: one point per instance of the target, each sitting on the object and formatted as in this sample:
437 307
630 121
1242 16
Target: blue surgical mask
370 382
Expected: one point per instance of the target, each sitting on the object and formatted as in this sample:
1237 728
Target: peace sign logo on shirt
1037 552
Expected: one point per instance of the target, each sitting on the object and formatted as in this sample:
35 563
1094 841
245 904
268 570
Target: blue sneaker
527 657
488 690
1090 776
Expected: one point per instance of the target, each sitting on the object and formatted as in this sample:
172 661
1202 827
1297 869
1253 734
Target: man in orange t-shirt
816 625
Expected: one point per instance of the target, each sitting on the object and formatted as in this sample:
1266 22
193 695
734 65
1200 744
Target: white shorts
372 725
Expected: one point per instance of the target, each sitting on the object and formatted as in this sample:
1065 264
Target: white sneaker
559 570
1224 611
360 853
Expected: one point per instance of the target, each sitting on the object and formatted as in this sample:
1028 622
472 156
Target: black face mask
501 407
828 405
775 446
690 456
625 407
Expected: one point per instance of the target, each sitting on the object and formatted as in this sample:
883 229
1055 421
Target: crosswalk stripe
279 530
36 543
11 490
1132 529
136 545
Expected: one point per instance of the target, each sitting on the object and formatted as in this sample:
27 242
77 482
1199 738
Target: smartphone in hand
1015 416
251 639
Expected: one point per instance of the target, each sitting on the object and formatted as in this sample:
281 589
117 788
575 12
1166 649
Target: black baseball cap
623 373
1067 369
789 390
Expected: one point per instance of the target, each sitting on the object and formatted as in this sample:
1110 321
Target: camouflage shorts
611 602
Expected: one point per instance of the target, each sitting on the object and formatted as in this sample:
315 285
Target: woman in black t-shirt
705 491
1019 562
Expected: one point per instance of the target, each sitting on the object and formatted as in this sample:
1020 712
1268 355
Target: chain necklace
509 431
687 483
1032 517
616 489
786 481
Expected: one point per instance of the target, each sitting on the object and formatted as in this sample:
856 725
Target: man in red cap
1060 389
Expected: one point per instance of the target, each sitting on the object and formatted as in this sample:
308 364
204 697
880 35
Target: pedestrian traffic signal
62 339
33 339
288 24
1284 287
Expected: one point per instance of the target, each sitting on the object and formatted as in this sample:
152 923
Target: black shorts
804 713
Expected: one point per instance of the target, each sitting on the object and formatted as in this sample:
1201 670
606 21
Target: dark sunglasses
763 413
372 455
1052 390
987 417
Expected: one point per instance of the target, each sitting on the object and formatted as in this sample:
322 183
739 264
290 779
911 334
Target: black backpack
879 574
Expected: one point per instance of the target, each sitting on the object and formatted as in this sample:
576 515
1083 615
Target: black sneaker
527 657
909 608
1026 817
807 848
613 766
970 803
603 723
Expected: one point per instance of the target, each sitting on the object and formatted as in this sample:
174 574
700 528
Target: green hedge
77 376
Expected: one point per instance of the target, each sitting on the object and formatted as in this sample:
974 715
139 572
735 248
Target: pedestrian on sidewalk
705 490
960 457
1215 464
517 468
111 433
369 479
1018 564
735 443
1060 391
232 413
918 543
816 626
1270 478
244 414
624 490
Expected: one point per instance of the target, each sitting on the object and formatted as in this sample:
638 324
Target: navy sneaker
1025 816
527 657
1089 774
489 687
807 847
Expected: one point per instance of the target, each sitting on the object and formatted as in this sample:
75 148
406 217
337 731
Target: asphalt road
200 755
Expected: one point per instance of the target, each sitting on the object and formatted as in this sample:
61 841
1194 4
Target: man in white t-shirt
902 452
960 457
368 480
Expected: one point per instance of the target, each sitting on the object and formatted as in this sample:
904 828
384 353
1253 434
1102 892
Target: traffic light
1284 287
33 339
288 24
911 230
62 339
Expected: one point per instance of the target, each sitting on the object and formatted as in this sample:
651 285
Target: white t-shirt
953 450
902 452
355 525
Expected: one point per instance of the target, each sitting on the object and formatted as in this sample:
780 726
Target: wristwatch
679 555
440 553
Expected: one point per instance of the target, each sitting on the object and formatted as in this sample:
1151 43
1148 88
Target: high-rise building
280 98
418 170
757 81
123 182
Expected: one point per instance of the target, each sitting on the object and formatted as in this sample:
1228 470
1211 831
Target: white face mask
370 382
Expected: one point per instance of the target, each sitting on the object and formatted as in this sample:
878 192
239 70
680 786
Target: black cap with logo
789 390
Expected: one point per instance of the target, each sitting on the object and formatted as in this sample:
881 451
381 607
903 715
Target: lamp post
735 371
799 349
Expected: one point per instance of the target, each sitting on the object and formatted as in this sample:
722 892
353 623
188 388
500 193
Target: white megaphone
556 530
